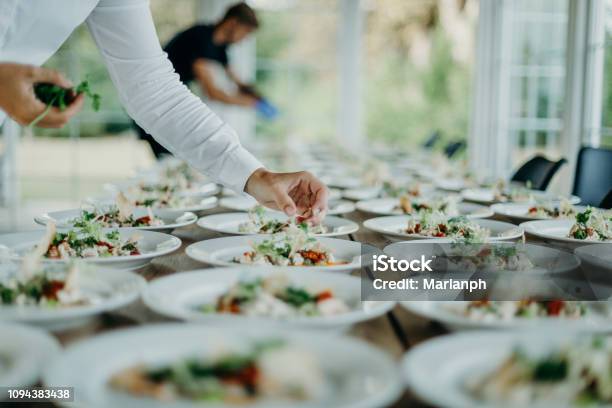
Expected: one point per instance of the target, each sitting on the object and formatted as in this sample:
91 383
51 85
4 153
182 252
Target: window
537 77
606 117
419 59
297 70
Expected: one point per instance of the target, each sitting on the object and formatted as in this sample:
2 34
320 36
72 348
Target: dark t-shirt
194 43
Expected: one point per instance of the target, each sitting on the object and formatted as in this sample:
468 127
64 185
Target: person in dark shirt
192 52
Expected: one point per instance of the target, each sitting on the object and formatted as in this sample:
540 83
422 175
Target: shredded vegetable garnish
592 225
276 297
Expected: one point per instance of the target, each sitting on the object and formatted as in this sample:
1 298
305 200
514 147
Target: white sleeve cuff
237 168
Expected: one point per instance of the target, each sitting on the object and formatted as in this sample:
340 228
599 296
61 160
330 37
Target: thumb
284 202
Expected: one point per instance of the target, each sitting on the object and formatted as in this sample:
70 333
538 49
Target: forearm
237 99
154 96
232 75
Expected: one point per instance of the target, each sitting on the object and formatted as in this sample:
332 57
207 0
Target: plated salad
577 374
487 310
414 189
259 224
166 200
87 242
276 297
409 205
564 210
182 173
268 371
498 257
45 287
438 225
292 247
592 225
503 193
116 216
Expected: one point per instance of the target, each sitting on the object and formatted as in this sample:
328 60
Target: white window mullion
584 79
489 126
594 71
350 122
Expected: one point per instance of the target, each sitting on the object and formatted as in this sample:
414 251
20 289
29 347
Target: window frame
581 120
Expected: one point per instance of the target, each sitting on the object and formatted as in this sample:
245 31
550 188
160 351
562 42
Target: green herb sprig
55 96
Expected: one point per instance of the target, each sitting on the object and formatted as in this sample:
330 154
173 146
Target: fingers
292 193
283 201
40 74
311 196
321 199
319 207
57 118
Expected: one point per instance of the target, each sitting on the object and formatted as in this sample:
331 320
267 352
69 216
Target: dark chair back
607 201
593 178
453 148
432 140
539 171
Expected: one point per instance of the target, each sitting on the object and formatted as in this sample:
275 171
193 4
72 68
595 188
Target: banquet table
396 332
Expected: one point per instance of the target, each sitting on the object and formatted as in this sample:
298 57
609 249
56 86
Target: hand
249 90
298 193
17 97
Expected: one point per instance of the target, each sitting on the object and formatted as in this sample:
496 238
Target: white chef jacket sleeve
156 99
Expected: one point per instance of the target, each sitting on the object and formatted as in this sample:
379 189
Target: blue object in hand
266 109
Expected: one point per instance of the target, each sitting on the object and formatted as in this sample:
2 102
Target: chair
453 148
607 201
432 140
593 179
539 171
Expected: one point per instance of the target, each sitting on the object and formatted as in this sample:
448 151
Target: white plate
362 193
228 223
369 193
599 256
449 314
392 228
334 194
28 350
172 219
597 268
201 203
517 212
246 203
337 207
238 203
388 206
451 184
545 260
179 295
453 360
371 380
555 232
152 244
228 192
342 182
198 189
487 196
121 287
221 251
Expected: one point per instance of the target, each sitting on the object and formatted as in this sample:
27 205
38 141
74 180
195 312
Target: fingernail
289 210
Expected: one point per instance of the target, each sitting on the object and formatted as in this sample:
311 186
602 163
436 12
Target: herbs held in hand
55 96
